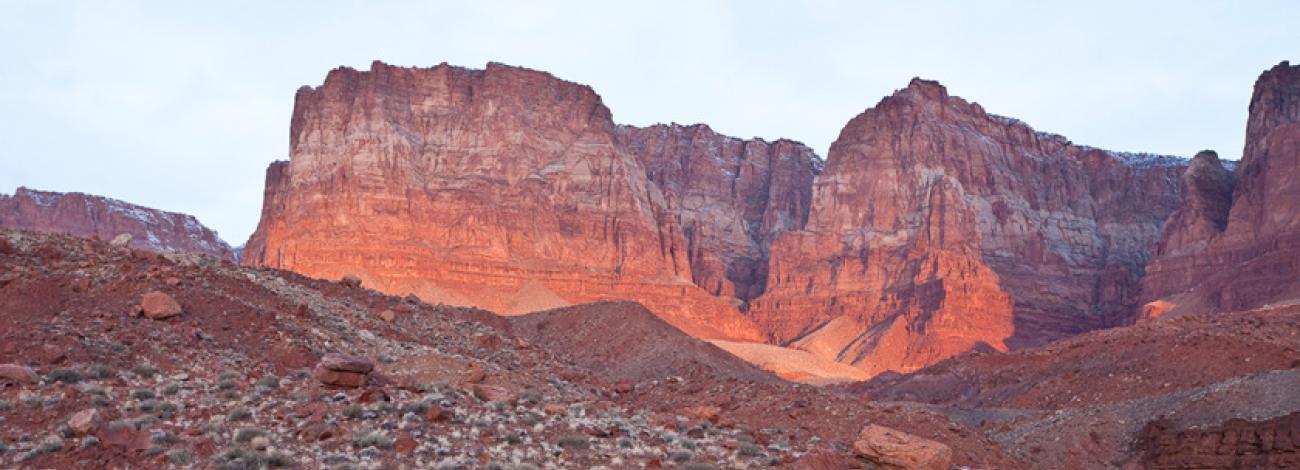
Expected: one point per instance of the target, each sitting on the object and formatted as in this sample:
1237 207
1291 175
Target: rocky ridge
937 228
87 216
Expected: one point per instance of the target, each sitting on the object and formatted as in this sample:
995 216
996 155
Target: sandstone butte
512 190
934 228
89 216
1234 243
937 228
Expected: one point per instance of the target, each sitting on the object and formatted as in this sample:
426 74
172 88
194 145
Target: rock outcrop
892 449
1234 243
512 190
88 216
937 228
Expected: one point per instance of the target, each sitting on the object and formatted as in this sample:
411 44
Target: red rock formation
937 228
512 190
1234 246
87 216
731 197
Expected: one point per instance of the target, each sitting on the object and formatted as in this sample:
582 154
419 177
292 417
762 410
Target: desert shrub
164 438
749 450
249 433
171 389
574 441
149 406
226 385
269 381
699 466
354 412
239 459
50 444
143 394
240 414
680 456
99 372
145 371
279 459
64 375
179 457
364 439
228 375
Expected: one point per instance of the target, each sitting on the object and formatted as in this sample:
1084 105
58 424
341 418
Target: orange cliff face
1234 243
937 228
511 190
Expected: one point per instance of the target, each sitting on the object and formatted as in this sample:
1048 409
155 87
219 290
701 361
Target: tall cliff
512 190
936 228
87 216
1234 243
731 197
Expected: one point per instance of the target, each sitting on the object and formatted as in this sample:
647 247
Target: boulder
85 421
346 363
157 306
492 393
892 449
18 374
335 378
343 370
388 315
351 281
122 240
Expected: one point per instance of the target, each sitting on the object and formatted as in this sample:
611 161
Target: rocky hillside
112 357
88 216
1235 242
937 228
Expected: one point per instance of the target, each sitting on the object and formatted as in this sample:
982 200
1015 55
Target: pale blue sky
180 105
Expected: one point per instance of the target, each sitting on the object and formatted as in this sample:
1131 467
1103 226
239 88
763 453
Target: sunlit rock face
936 228
1234 243
88 216
512 190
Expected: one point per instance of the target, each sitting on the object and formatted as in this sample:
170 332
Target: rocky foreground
267 368
114 357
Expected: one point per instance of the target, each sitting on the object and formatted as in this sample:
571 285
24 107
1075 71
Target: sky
181 105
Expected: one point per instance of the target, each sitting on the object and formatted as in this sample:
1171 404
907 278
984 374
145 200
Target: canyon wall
88 216
1234 243
512 190
937 228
